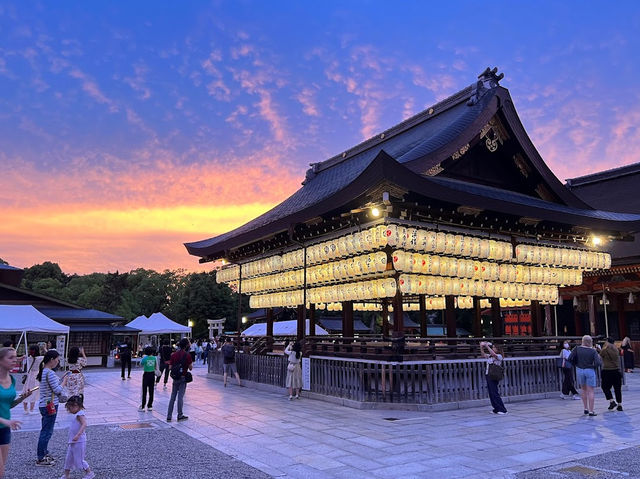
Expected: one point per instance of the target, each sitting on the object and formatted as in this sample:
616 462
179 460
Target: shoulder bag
495 372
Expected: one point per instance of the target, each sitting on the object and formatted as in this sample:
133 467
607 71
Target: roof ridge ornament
487 80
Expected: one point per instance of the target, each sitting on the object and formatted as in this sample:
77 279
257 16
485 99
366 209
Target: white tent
282 328
26 319
157 323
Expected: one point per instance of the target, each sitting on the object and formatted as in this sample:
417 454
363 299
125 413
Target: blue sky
130 124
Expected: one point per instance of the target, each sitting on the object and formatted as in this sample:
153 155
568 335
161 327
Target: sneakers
585 412
183 418
89 475
290 398
619 407
45 461
562 396
149 409
501 413
141 409
168 419
593 414
297 396
612 406
123 379
576 397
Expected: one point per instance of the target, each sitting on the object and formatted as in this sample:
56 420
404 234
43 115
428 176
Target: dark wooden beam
423 316
398 316
270 322
312 320
536 319
347 319
497 327
450 316
301 320
622 317
577 321
476 326
385 319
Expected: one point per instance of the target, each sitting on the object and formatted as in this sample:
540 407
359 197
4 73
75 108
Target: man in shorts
229 357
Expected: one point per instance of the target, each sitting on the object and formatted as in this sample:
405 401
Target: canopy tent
282 328
157 323
26 319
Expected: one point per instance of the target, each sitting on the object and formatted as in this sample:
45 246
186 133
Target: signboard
306 374
60 347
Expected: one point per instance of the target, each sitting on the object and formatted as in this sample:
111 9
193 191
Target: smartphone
34 388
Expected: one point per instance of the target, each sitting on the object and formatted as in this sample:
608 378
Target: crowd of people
586 358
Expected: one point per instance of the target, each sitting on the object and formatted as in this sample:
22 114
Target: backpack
177 369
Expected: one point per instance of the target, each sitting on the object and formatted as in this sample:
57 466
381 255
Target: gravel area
624 463
115 452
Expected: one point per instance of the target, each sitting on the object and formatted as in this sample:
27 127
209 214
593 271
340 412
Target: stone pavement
314 439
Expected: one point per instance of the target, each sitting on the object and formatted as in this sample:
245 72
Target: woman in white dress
294 370
33 366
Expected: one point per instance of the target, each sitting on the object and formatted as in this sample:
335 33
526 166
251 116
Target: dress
75 379
76 450
33 366
627 352
294 371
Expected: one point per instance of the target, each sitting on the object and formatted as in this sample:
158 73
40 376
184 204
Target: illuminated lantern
440 242
449 243
421 240
430 287
439 287
389 287
477 270
467 247
402 237
444 266
380 261
398 258
432 239
392 235
475 247
379 240
484 248
412 239
458 242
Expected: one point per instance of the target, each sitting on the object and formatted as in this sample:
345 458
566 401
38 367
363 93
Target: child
77 440
151 369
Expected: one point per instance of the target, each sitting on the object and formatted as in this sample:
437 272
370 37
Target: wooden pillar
536 319
301 320
577 321
497 329
476 326
622 317
385 319
312 320
239 317
450 316
423 316
398 316
592 315
270 323
347 319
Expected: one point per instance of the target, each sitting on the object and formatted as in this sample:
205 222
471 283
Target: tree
42 271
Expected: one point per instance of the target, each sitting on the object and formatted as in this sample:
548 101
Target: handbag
188 377
51 406
495 372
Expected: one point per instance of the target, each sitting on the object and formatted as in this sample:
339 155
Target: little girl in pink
77 440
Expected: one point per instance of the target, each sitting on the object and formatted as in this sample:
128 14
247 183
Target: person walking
50 393
149 363
180 363
586 360
568 389
77 447
164 355
294 370
492 354
627 351
229 361
124 349
73 382
8 360
33 366
610 375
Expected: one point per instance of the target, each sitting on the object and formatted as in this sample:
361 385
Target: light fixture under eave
375 211
596 240
575 301
244 320
631 298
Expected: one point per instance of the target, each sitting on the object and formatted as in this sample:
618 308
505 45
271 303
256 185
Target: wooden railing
410 382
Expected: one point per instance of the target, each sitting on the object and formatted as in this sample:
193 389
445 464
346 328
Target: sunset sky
128 128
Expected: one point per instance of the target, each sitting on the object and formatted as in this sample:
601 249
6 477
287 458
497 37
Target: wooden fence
409 382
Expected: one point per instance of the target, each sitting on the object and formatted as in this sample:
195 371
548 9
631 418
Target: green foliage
182 297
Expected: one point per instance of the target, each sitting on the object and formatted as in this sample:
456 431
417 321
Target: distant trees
181 296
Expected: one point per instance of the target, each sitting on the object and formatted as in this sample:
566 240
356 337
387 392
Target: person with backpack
164 356
568 390
124 350
586 360
180 364
229 360
494 362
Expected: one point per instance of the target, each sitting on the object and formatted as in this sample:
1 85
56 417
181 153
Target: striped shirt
49 385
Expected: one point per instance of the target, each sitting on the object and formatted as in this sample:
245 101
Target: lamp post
606 319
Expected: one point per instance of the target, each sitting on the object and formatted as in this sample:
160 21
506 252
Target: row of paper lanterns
465 268
349 268
287 299
562 257
438 285
431 303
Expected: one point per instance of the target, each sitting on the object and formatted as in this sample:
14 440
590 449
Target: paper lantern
431 242
390 287
484 248
440 242
412 239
